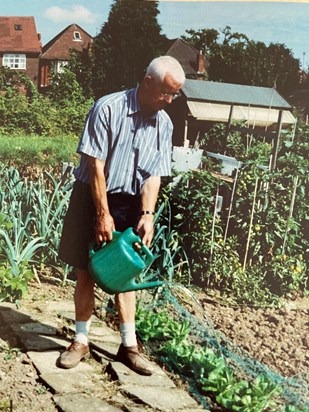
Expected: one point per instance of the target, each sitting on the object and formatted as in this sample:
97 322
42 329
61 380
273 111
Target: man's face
160 94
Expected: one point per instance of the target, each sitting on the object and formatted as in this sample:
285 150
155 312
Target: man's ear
147 81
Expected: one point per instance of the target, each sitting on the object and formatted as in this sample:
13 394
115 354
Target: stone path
98 385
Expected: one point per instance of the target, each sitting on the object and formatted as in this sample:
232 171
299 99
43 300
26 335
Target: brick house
20 45
56 53
192 61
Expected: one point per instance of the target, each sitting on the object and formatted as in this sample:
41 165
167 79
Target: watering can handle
94 247
149 257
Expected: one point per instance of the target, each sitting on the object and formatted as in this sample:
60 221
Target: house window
18 26
14 61
59 66
77 36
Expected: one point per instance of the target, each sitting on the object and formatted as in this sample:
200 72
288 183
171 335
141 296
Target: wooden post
185 138
276 142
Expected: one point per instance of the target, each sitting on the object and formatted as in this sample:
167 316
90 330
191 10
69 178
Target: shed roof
18 35
254 116
237 94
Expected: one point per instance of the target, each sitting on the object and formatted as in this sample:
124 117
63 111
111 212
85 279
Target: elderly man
125 148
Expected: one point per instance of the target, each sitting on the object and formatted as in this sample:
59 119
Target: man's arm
148 203
104 221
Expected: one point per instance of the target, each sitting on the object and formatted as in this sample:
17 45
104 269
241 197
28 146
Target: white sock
128 336
82 329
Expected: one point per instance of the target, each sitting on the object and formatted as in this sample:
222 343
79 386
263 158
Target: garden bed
276 337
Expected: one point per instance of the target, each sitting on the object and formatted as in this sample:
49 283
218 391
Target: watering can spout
146 285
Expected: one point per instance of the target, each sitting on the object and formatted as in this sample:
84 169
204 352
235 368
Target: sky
276 22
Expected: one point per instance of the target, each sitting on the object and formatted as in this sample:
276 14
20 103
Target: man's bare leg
83 296
84 305
128 352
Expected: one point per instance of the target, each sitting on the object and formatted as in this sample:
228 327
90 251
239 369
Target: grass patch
38 150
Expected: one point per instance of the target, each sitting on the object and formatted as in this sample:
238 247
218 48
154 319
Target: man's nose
169 99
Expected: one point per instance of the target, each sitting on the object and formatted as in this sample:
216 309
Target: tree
128 41
237 59
82 65
205 40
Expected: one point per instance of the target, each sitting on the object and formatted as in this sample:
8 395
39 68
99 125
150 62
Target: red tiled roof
59 47
24 40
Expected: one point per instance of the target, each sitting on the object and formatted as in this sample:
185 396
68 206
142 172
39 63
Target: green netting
295 389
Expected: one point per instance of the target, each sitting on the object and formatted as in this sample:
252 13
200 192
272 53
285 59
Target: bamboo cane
213 224
251 222
231 203
290 214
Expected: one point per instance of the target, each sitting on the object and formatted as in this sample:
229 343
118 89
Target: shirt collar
134 107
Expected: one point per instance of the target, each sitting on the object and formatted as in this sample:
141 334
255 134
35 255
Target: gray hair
160 66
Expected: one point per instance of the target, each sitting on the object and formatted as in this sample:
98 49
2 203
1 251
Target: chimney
201 65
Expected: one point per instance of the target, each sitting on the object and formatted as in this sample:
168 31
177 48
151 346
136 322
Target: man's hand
104 228
145 229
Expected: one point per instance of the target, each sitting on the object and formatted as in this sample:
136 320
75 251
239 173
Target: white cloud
74 14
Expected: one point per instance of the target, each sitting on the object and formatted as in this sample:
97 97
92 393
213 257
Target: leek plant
30 226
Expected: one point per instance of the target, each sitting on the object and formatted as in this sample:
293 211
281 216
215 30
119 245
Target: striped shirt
133 147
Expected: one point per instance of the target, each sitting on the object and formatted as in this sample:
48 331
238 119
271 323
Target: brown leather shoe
73 355
132 359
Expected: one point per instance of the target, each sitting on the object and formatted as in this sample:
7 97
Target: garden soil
277 337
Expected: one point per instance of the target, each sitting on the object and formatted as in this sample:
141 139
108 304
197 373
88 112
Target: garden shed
261 110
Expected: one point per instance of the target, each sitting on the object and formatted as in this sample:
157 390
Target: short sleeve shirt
133 147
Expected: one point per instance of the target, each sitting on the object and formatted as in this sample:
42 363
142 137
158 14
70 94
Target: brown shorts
79 223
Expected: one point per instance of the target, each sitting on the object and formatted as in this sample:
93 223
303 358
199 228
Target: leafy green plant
161 326
41 389
172 263
5 404
17 246
14 287
12 353
49 204
210 371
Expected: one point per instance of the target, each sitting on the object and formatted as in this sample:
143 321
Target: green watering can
115 264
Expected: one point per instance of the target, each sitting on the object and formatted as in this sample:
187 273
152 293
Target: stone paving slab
108 349
103 333
126 376
10 314
46 362
164 399
82 403
36 342
74 382
46 328
75 389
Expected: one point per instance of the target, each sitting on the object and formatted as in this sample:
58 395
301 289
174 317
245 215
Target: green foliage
237 59
211 374
128 41
5 404
25 151
191 202
49 205
24 111
30 227
82 65
14 287
171 264
254 260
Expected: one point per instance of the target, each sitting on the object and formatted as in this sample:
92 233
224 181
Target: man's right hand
104 228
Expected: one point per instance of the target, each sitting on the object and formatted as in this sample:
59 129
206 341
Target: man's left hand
145 229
